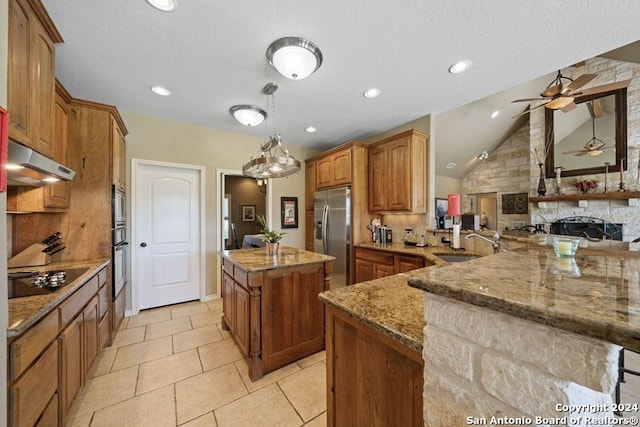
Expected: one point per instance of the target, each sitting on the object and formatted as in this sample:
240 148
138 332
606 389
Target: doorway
488 208
168 247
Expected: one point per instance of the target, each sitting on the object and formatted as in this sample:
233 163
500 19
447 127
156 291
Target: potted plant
271 237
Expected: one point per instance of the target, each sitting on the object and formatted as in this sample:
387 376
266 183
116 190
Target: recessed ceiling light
451 165
310 129
460 66
371 93
495 114
164 5
159 90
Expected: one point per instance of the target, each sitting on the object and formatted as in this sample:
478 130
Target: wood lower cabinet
374 264
71 367
372 380
274 315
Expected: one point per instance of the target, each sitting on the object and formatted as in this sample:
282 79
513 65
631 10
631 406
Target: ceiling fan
594 146
561 93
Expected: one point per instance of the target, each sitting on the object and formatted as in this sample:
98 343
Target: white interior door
167 234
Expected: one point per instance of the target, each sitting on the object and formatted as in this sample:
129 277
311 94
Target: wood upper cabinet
334 169
119 154
310 184
398 173
58 195
31 75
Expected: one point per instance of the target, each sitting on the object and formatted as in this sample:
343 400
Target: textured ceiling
211 55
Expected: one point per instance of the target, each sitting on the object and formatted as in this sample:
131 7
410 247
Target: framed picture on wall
248 212
289 212
442 207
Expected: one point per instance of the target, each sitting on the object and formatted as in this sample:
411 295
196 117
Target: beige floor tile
168 370
313 359
225 334
167 327
103 362
219 353
205 319
207 420
306 390
154 409
270 378
106 390
319 421
215 305
203 393
147 317
146 351
124 323
268 405
188 309
129 336
195 338
83 421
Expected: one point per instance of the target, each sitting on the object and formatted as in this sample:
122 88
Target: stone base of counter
480 364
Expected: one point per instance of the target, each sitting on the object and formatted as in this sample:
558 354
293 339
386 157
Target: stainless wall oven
120 251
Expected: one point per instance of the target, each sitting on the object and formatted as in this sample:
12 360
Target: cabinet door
364 270
44 88
119 154
309 229
407 263
71 369
382 271
57 195
308 323
49 417
377 185
399 175
310 185
241 318
227 302
91 344
342 168
19 89
324 172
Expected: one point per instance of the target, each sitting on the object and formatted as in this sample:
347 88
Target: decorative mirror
593 133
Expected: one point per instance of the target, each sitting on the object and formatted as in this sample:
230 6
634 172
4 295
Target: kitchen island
524 334
271 307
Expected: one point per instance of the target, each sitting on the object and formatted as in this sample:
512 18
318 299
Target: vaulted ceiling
211 55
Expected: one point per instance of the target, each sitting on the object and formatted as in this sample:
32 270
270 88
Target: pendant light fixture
274 160
294 57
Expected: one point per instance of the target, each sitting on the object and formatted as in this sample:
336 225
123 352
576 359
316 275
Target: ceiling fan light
294 57
248 115
560 102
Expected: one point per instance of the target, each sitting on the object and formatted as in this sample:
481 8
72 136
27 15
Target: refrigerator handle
325 217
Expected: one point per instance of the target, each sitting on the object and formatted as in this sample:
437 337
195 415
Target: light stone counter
597 294
26 311
258 259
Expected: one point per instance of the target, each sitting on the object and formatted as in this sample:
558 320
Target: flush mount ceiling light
460 66
274 160
163 5
159 90
371 93
248 115
294 57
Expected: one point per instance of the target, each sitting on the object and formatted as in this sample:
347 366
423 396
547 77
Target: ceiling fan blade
605 88
569 107
552 91
574 152
529 99
579 82
528 110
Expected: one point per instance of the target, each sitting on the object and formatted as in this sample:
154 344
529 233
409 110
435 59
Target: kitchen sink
456 257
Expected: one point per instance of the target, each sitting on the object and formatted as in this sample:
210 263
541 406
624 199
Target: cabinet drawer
228 268
102 277
24 350
240 276
31 394
77 301
375 256
103 300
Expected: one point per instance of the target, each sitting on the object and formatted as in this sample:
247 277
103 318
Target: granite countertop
258 259
390 305
595 294
26 311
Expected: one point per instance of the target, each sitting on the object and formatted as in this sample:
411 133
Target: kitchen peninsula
271 306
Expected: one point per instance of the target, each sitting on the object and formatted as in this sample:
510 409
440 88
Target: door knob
143 245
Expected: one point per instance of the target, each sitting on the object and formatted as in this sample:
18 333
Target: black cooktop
28 283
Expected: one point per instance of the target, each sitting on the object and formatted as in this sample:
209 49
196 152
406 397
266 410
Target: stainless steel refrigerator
332 234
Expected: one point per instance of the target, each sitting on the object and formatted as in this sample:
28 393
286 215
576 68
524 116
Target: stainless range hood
28 167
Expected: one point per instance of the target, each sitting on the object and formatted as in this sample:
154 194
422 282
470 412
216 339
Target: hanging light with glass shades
274 161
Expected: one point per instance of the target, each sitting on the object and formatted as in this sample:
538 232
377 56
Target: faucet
495 242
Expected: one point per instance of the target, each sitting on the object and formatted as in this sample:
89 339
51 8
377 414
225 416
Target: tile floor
175 366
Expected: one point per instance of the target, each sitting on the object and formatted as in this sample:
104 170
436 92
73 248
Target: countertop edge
316 259
94 267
